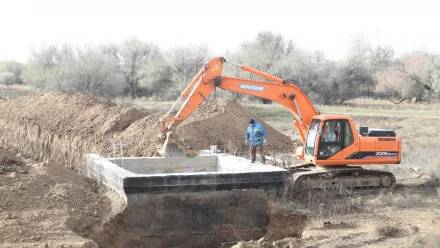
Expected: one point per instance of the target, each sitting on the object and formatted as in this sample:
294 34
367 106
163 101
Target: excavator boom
210 76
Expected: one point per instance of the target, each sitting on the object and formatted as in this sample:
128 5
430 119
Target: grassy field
14 91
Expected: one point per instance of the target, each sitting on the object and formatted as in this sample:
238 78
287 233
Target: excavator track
343 179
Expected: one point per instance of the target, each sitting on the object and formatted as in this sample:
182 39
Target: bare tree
74 69
93 74
45 56
130 57
157 81
185 62
7 78
414 76
265 53
381 58
11 73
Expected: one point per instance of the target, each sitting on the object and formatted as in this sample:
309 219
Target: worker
256 136
329 132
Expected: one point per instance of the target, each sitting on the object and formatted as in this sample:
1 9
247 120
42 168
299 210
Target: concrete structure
194 202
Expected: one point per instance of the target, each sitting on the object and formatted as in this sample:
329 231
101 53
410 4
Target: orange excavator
333 147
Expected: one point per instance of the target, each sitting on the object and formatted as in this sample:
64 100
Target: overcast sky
222 25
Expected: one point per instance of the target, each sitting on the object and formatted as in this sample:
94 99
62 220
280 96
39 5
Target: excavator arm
210 76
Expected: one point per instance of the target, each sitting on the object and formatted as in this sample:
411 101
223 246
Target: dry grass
387 231
14 91
153 106
422 241
325 204
399 200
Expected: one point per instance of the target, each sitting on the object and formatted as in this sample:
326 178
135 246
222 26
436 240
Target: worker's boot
253 152
262 157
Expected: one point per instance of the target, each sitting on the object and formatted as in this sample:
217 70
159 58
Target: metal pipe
297 109
236 64
262 74
257 72
190 85
186 102
174 105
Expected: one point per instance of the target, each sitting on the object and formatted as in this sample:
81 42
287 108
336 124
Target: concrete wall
155 165
199 219
193 209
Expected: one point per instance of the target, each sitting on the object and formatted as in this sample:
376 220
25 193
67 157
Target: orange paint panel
367 144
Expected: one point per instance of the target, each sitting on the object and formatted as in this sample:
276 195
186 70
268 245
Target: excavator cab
335 141
335 136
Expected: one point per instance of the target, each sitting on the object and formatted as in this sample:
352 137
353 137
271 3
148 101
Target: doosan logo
252 87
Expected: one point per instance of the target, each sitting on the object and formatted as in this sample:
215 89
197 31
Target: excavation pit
181 201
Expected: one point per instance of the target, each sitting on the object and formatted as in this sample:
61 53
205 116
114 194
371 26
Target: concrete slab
182 201
162 175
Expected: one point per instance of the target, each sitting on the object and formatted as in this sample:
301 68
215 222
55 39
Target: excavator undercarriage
351 178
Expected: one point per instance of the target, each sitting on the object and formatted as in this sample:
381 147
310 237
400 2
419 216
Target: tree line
137 68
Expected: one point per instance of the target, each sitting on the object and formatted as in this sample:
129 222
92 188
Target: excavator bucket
173 147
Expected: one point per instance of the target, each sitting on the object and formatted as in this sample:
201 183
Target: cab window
336 135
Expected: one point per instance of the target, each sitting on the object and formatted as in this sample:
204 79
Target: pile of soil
65 127
222 123
73 114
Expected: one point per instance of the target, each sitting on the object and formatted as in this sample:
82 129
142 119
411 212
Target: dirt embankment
43 204
65 127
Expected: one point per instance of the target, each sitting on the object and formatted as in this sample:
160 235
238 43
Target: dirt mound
73 114
222 123
65 127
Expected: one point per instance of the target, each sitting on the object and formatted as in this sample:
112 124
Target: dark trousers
253 152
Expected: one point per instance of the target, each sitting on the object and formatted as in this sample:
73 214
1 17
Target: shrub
7 78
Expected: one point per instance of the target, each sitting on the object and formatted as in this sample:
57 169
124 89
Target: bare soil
44 204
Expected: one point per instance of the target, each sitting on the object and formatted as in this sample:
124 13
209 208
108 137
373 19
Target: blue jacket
255 134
